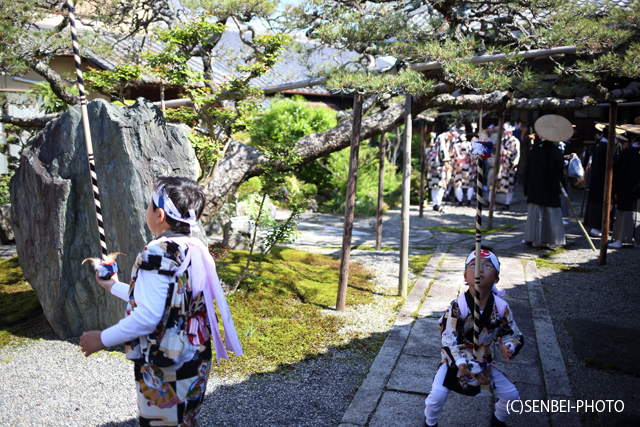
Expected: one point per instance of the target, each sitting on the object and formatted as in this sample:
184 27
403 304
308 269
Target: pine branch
29 122
336 174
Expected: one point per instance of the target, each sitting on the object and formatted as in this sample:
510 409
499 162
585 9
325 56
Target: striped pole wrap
476 296
87 130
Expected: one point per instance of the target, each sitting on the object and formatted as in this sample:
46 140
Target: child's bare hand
90 342
505 350
108 283
463 368
480 377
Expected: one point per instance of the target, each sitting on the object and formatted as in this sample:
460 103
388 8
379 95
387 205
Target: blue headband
163 201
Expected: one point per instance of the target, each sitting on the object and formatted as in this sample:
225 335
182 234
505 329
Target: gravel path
49 382
608 295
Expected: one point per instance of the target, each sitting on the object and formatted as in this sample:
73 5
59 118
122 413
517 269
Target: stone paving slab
421 342
368 395
529 392
553 367
463 410
447 290
453 263
399 410
414 374
523 317
567 419
512 278
434 307
412 302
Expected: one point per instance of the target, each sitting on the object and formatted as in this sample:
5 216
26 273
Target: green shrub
367 182
288 120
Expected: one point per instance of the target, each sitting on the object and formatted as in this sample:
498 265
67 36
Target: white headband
162 200
484 254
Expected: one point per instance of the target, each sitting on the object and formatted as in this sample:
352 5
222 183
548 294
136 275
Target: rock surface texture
6 232
52 207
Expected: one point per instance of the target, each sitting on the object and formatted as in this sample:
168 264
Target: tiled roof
292 66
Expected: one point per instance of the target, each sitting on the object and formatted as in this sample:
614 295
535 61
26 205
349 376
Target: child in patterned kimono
440 168
462 165
508 165
170 314
497 327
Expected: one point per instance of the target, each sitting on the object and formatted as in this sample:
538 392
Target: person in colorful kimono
510 157
170 317
462 169
497 327
440 167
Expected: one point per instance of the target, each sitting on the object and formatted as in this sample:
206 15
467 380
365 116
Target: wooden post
406 188
383 143
350 203
496 171
608 178
422 165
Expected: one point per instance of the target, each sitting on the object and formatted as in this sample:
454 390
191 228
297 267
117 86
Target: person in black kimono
626 188
541 184
595 198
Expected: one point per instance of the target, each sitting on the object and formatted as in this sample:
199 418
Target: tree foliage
606 37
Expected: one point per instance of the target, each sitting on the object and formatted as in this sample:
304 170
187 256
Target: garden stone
52 206
313 206
6 232
268 209
238 234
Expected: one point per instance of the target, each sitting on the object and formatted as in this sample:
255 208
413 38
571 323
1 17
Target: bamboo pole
608 178
406 189
476 296
87 131
575 215
422 165
383 143
584 192
350 203
497 164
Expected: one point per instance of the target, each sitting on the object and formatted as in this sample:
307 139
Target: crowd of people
625 189
451 170
452 167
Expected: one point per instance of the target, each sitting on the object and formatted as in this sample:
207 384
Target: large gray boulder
52 207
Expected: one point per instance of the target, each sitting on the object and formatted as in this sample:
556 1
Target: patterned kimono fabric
437 155
462 169
493 324
172 364
509 167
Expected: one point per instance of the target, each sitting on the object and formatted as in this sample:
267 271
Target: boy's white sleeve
121 290
150 295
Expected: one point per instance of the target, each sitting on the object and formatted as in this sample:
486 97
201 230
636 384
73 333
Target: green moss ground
19 306
418 263
277 313
546 261
472 231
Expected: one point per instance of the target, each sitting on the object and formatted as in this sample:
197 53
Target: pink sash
203 266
